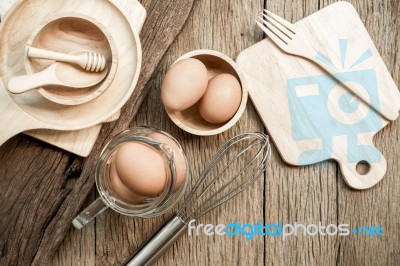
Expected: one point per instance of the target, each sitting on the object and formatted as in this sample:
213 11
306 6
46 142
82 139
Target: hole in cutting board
363 167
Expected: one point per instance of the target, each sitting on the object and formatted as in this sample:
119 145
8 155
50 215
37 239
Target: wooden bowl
190 119
30 110
69 33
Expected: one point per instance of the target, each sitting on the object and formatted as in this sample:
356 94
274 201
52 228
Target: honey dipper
90 61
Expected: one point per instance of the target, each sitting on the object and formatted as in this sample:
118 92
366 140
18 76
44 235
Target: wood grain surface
42 188
287 194
308 128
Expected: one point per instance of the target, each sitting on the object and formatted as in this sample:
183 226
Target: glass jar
149 206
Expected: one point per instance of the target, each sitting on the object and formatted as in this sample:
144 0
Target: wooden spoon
61 74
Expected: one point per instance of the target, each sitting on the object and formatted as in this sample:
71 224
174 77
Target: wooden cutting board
81 142
41 188
311 117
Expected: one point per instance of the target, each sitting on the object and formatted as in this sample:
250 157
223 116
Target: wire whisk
235 166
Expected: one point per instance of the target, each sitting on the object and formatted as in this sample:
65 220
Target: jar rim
152 206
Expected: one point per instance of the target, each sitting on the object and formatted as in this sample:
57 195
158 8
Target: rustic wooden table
286 194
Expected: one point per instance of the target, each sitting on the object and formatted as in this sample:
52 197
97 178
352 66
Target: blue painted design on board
367 54
308 103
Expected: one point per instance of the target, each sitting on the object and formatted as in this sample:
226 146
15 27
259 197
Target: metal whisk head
235 166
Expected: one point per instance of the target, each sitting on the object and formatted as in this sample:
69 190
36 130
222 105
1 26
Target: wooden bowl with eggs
204 92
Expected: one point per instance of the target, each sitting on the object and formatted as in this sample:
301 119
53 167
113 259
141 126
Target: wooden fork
292 40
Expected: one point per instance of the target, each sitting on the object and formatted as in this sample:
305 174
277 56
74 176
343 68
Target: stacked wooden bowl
98 25
70 33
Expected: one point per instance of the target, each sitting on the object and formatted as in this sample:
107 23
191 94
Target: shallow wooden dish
190 119
31 110
69 33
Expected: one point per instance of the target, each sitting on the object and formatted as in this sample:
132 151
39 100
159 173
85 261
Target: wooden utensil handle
21 84
51 55
384 108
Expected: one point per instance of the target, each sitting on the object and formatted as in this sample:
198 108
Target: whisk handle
158 243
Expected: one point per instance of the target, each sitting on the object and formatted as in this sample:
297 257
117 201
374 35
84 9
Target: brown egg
120 189
221 99
140 168
179 158
184 84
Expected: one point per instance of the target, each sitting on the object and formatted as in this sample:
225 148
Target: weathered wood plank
42 195
118 236
310 195
290 194
78 246
381 204
306 195
230 30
